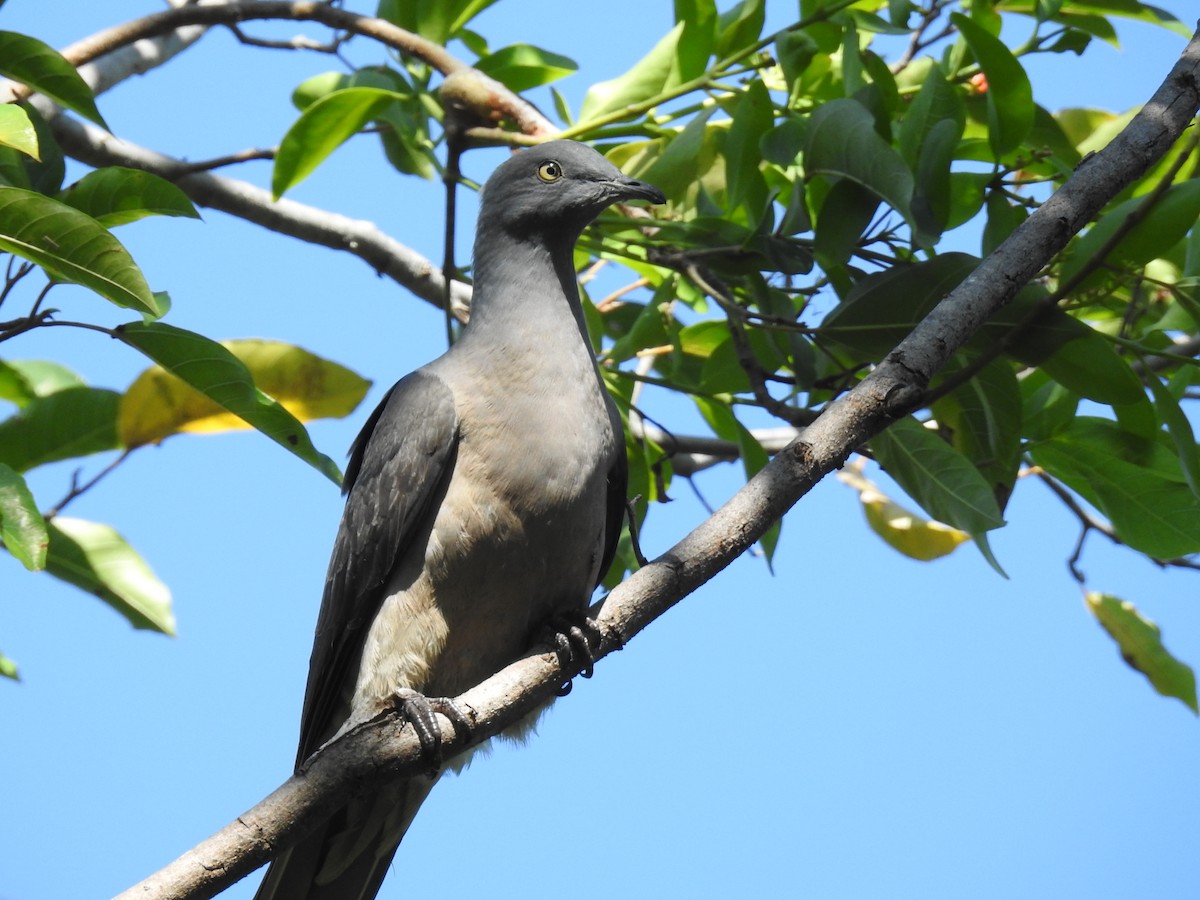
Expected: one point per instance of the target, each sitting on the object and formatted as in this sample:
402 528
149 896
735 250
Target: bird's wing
616 498
398 466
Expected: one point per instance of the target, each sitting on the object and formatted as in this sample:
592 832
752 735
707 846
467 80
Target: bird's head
556 189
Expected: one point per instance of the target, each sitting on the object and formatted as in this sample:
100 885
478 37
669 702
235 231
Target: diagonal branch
364 239
375 755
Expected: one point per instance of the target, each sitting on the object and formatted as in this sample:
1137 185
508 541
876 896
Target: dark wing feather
398 465
618 493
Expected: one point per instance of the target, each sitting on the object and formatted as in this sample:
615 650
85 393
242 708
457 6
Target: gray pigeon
485 499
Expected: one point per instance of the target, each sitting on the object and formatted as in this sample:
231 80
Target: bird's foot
570 635
420 712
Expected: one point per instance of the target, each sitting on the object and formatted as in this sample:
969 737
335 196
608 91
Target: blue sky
858 725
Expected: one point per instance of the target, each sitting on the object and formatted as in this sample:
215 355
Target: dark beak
632 189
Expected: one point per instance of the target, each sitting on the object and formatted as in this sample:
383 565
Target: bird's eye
550 171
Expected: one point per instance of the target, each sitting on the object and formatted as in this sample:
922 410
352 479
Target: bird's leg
570 635
419 711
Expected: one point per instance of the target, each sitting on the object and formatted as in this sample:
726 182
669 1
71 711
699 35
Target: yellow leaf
158 404
903 530
1140 642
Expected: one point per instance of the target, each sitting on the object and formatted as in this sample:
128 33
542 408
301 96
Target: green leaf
523 66
44 174
76 421
8 668
1071 13
675 170
325 125
404 133
40 66
1009 95
983 417
795 50
842 143
158 404
846 213
437 20
1141 646
648 78
116 195
72 246
726 426
22 528
95 558
739 27
217 373
1164 223
1002 219
881 309
699 38
752 119
17 131
1046 406
1179 428
1139 485
22 380
938 477
927 139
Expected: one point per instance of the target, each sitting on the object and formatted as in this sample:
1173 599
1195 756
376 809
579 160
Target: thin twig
77 490
217 162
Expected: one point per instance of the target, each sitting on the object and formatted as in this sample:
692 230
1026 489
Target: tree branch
363 239
497 97
374 755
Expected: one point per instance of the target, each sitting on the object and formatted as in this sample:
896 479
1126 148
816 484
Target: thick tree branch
373 755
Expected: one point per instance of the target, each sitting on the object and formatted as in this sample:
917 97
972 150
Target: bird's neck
526 287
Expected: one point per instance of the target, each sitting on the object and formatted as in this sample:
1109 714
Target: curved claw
419 711
571 636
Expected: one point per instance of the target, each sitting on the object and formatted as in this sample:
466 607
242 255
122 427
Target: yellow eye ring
549 171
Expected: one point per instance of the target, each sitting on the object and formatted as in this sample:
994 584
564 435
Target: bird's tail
348 856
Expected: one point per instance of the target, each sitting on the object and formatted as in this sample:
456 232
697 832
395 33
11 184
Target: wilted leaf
72 246
1140 642
22 528
95 558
